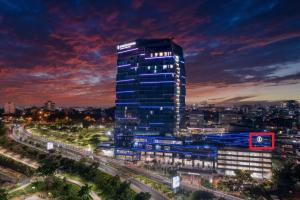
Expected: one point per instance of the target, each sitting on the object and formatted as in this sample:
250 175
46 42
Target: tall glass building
150 90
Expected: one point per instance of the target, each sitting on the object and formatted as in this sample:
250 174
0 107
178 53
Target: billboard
261 141
175 182
50 145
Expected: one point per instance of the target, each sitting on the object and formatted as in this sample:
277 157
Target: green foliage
206 183
242 177
285 179
19 167
71 134
95 140
2 129
19 148
84 192
255 192
59 189
111 187
142 196
48 167
3 194
201 195
223 186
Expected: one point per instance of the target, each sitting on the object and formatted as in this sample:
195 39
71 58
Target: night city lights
149 100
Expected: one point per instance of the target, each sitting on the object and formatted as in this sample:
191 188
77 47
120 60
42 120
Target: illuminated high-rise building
150 90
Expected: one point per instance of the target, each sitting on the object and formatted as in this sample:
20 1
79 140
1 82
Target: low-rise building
258 163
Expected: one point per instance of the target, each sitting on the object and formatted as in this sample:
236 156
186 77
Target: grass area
53 187
162 188
78 178
24 191
73 135
156 185
108 187
16 166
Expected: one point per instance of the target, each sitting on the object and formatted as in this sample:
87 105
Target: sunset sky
65 51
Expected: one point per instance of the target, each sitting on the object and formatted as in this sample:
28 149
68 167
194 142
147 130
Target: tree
201 195
123 191
86 123
142 196
285 179
242 177
84 192
48 167
2 129
3 194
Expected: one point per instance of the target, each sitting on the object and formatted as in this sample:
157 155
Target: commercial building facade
150 90
258 163
150 105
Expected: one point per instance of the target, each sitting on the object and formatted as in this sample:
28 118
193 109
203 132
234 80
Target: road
35 165
75 153
7 153
163 179
115 167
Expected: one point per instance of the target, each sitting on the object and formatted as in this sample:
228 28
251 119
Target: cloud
65 50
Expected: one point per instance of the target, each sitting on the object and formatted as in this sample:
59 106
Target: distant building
49 105
290 104
227 118
196 119
289 147
9 108
245 109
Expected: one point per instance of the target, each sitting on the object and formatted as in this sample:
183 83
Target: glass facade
150 90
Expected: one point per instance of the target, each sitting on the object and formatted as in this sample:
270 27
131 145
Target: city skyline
65 51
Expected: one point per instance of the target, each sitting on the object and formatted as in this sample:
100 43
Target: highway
23 136
163 179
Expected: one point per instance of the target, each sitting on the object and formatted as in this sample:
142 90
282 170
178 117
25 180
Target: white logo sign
126 46
259 139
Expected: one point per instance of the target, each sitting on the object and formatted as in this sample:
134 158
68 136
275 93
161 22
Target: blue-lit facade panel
199 147
150 90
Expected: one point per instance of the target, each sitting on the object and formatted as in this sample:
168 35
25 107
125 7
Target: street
75 153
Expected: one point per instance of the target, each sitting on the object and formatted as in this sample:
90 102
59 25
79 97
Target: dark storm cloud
68 47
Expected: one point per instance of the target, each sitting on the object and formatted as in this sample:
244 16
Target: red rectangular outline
252 148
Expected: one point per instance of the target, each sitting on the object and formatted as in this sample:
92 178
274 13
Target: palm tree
3 194
84 192
198 195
